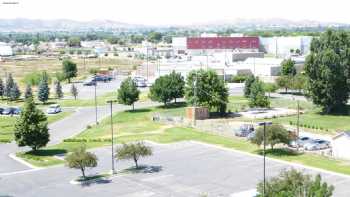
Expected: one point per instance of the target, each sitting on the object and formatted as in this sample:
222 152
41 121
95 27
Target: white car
53 109
317 145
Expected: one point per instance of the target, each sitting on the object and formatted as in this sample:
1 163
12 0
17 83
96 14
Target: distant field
20 68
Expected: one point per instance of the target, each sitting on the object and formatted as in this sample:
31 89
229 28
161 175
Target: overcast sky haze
179 12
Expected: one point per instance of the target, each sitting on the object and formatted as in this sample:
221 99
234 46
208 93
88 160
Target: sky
177 12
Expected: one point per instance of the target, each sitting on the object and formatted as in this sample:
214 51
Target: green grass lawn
135 126
7 124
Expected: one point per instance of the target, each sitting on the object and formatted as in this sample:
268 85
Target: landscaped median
138 125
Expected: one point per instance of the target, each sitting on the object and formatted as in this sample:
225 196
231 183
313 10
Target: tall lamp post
112 132
95 100
264 152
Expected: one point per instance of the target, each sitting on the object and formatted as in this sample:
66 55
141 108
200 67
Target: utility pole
264 154
298 111
147 60
112 132
95 100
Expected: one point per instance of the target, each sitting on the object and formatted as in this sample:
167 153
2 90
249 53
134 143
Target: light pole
264 152
95 100
112 132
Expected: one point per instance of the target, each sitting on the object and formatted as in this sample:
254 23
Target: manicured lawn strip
7 124
39 160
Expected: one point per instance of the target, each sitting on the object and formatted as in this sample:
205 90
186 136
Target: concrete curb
14 157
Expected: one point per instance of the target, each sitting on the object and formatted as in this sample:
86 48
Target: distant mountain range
34 25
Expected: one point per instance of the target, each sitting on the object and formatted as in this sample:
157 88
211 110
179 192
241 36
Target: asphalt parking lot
183 169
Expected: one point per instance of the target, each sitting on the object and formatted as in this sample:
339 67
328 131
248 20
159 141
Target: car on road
141 84
317 144
89 82
11 111
54 109
244 130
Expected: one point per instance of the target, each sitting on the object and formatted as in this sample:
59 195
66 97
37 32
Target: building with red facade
207 43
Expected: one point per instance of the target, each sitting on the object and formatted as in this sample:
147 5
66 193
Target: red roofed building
203 43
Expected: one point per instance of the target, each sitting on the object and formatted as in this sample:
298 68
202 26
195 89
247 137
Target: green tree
31 127
205 88
8 85
28 93
257 96
74 91
44 90
69 69
270 87
275 134
15 93
154 37
74 42
248 83
299 82
128 93
134 151
285 82
288 67
160 92
177 85
2 88
58 90
81 159
327 70
293 183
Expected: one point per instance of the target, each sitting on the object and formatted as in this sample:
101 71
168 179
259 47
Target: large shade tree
206 88
327 69
69 69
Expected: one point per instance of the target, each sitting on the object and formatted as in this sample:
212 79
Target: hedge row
308 126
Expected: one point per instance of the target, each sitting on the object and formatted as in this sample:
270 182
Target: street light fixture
264 151
112 132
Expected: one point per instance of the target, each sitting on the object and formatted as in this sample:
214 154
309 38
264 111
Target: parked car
1 110
141 84
103 78
302 141
11 111
251 135
53 109
244 130
317 144
89 82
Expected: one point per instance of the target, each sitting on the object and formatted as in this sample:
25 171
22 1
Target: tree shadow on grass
173 105
47 152
279 152
139 110
144 169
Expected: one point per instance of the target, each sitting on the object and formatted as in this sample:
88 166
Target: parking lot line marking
14 157
272 159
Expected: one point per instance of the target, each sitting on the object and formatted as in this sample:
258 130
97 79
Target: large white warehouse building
5 50
281 46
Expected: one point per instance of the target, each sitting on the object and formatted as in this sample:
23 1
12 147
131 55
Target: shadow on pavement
146 169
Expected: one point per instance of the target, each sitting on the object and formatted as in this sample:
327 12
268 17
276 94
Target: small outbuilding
341 145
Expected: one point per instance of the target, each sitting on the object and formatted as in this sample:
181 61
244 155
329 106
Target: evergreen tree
14 93
58 90
248 82
44 90
74 91
28 93
31 127
9 84
2 88
128 93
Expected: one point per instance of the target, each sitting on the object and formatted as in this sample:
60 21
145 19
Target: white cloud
178 11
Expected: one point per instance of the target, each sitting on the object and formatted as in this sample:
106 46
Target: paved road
183 169
62 129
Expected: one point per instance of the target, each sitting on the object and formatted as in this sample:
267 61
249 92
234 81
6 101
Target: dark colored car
103 78
1 110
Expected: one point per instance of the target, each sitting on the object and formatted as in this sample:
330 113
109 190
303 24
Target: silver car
317 145
54 109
